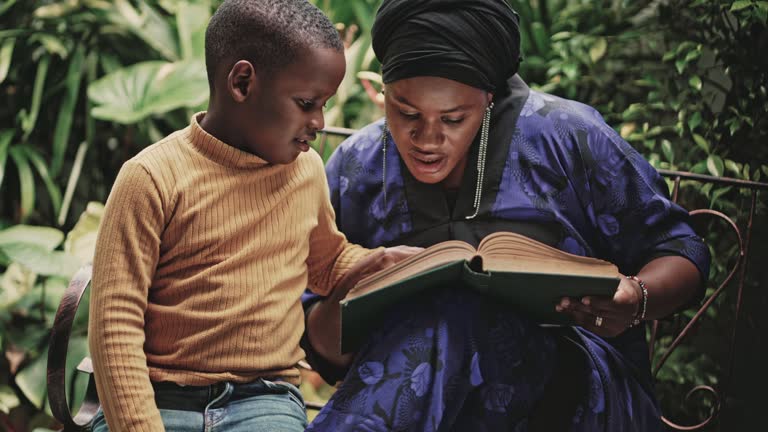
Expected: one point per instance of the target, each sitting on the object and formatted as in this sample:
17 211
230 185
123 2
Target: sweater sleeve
127 251
330 254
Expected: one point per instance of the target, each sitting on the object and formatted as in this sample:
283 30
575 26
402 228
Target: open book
528 275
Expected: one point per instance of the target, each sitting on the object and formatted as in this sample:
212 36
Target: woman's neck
453 180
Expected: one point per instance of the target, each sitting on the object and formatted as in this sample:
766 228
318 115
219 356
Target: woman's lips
427 164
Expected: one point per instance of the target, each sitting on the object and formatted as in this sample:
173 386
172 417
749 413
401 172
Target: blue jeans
257 406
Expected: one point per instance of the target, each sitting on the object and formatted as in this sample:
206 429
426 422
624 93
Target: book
529 276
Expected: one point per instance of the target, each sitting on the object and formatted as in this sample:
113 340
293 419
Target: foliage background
86 84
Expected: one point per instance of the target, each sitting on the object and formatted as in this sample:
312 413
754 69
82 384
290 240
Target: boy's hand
374 262
323 322
394 255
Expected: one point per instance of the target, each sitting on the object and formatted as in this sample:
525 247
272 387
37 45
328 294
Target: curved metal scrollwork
712 414
692 323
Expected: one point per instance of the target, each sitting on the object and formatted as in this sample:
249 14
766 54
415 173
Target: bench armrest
57 358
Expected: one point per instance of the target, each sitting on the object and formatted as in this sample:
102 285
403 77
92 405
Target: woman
468 149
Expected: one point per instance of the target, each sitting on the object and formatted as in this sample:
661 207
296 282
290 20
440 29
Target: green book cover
533 293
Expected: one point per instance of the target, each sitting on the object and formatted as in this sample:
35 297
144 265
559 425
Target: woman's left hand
605 316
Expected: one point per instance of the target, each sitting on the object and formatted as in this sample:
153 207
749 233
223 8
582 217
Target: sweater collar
219 151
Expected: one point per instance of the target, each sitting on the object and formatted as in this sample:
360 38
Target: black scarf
475 42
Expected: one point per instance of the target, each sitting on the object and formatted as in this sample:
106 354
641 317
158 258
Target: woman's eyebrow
458 108
403 100
463 107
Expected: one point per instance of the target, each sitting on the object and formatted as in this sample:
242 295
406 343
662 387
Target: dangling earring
481 158
384 161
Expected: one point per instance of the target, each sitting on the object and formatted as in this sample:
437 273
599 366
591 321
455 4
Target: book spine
479 281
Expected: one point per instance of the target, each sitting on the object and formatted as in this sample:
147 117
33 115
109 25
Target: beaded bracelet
644 306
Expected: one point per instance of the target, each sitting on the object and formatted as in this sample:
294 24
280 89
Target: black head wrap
475 42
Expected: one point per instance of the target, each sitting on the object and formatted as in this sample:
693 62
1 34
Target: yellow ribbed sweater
202 256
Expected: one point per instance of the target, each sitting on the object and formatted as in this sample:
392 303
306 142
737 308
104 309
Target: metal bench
680 329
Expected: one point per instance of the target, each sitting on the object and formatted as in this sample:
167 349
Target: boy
210 236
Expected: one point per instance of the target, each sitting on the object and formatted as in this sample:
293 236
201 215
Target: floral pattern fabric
452 361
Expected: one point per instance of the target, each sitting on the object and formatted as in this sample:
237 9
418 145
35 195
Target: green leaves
81 240
694 121
29 118
6 53
702 143
67 109
32 250
45 237
684 55
598 49
41 261
8 399
26 180
131 94
146 23
192 20
37 161
540 37
25 158
33 247
739 5
32 380
5 142
14 284
666 148
695 82
715 165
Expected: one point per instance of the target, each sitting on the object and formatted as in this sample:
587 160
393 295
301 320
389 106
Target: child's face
286 108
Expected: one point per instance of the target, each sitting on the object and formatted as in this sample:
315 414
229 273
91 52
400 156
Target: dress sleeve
631 209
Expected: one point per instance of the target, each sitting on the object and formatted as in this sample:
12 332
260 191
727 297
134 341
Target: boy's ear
241 80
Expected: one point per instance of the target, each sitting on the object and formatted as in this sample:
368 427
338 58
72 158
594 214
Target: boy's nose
317 121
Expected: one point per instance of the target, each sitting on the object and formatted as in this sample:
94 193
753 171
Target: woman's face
433 122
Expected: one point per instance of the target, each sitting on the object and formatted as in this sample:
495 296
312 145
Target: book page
510 252
432 257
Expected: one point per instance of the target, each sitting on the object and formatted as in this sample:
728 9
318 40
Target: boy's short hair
268 33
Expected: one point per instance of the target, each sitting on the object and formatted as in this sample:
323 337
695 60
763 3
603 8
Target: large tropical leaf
32 247
43 298
32 380
41 261
192 20
16 282
133 93
81 241
45 237
354 57
145 22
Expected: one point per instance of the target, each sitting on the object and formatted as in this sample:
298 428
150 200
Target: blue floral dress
450 360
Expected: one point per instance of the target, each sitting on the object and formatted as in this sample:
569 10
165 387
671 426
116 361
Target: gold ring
598 321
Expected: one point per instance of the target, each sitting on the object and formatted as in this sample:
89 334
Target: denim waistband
173 396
